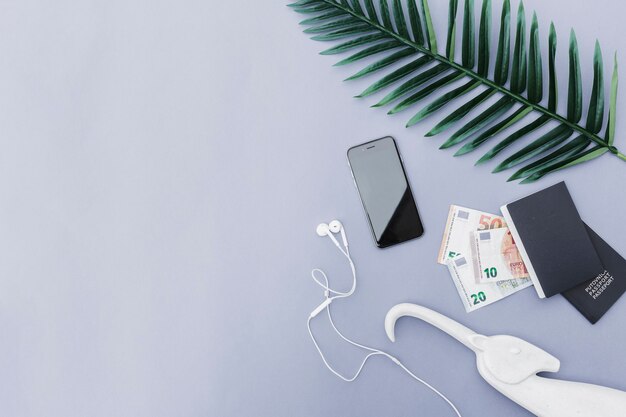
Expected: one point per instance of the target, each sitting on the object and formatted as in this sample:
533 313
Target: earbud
336 227
322 229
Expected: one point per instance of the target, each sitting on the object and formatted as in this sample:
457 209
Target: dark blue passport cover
553 240
596 296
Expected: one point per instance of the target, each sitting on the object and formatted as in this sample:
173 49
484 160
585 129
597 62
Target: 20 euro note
495 256
462 221
475 295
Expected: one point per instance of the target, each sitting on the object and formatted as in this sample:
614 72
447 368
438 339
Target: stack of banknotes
482 257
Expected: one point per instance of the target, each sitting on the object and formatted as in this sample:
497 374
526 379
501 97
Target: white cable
372 351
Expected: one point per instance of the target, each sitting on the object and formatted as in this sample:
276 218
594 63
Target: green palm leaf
356 6
416 23
385 62
585 156
596 106
468 35
484 35
543 143
480 121
323 17
451 41
445 99
412 84
553 88
401 33
395 76
335 24
610 128
494 130
371 10
504 45
425 92
398 15
519 71
572 148
513 137
386 16
575 91
431 39
535 74
354 43
372 50
342 33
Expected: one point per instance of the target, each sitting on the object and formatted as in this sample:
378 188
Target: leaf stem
470 73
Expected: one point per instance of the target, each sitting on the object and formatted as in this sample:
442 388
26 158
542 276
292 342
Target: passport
552 240
595 297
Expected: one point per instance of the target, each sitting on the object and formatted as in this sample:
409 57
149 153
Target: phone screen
385 193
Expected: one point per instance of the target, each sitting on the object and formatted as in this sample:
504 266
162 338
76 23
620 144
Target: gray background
162 170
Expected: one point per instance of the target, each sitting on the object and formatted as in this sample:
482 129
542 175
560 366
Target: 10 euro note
461 221
495 256
476 295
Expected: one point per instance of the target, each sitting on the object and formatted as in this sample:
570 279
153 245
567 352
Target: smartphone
385 193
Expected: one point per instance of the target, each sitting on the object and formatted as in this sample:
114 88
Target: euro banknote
476 295
462 221
455 252
495 256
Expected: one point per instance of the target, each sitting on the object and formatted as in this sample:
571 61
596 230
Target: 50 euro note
462 221
476 295
495 256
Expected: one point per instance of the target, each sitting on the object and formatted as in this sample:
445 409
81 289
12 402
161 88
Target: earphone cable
372 351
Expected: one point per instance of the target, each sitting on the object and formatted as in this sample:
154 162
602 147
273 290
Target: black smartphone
389 205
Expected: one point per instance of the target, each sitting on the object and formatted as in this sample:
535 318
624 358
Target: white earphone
329 230
335 226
